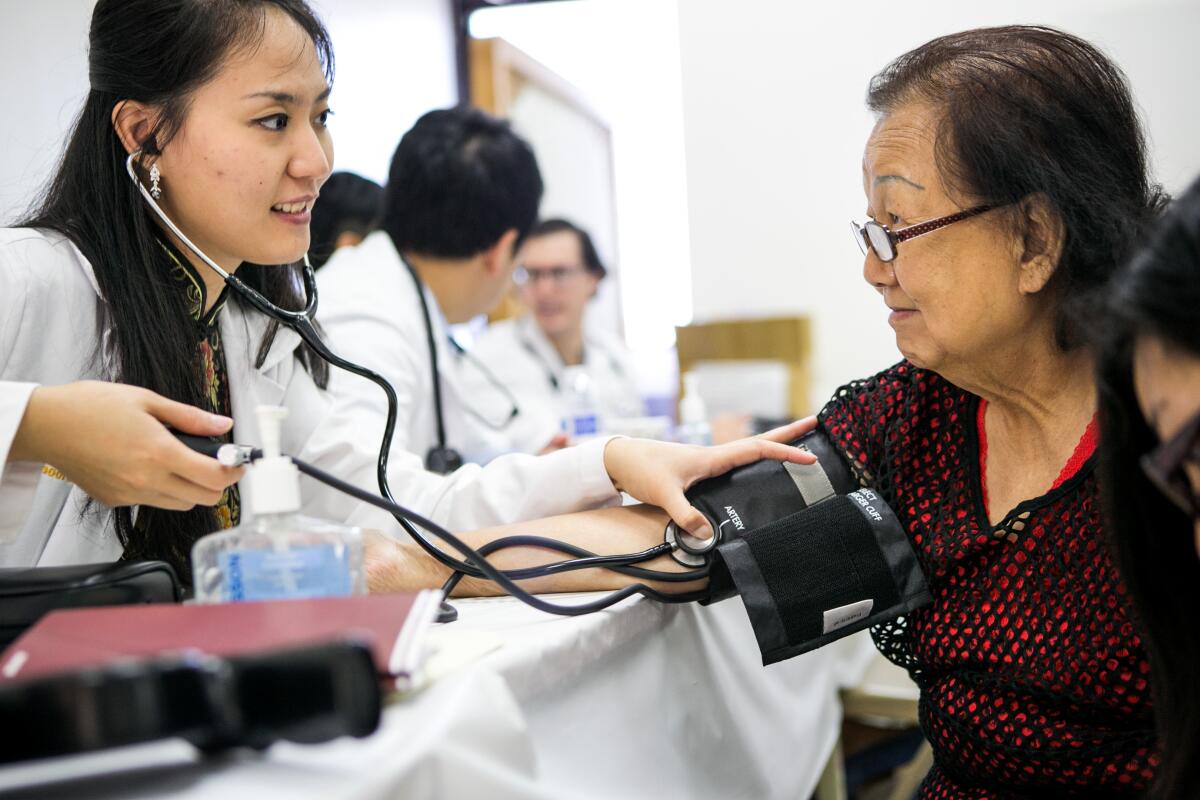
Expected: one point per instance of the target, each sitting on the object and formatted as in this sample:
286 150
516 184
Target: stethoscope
511 399
474 564
442 458
303 323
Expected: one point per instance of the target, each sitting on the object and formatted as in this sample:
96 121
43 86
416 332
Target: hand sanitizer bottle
277 554
693 416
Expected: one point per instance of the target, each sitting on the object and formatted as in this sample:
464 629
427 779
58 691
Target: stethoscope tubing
303 323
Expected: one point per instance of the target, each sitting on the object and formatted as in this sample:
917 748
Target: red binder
392 625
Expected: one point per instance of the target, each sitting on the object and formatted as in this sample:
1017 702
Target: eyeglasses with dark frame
1164 466
881 240
557 276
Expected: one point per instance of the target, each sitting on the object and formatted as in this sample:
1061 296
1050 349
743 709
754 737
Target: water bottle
581 420
693 416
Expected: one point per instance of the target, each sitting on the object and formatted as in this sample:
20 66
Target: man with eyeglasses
558 273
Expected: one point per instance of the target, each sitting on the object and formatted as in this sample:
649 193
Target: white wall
43 80
395 60
623 55
774 126
574 155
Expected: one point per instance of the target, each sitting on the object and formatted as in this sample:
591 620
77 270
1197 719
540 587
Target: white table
643 700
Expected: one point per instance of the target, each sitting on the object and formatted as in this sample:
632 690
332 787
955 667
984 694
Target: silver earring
155 186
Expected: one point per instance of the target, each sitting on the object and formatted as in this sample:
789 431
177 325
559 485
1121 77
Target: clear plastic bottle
694 427
277 554
581 419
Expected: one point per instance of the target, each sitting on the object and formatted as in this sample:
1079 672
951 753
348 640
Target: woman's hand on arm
112 441
656 472
659 473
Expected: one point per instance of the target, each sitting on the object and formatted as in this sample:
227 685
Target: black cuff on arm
815 576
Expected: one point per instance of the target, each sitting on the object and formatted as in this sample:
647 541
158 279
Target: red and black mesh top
1033 676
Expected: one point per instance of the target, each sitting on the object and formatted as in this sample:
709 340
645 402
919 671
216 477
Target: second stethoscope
442 458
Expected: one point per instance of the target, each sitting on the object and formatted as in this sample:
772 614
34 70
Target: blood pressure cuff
757 494
816 575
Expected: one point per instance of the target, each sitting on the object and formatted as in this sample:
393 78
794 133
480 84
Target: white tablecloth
643 700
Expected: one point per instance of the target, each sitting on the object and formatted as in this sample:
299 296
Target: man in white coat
558 274
462 193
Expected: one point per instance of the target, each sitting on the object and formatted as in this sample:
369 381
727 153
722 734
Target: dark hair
348 203
591 259
1035 111
157 52
1156 295
459 179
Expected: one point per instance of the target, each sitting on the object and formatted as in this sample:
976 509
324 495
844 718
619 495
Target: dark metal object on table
306 695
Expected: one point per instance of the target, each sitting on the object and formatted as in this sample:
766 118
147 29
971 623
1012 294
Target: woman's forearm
406 566
115 442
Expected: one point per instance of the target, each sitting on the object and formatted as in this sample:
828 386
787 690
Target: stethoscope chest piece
687 549
443 460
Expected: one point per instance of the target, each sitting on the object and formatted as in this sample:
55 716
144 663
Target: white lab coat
52 332
520 356
371 312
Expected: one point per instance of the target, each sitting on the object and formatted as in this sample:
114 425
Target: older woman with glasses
1149 355
1005 177
997 197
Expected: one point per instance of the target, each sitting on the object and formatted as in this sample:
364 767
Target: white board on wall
43 82
395 61
574 154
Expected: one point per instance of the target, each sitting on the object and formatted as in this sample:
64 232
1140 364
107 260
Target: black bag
29 593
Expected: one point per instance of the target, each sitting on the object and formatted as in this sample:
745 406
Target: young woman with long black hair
1149 369
223 105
